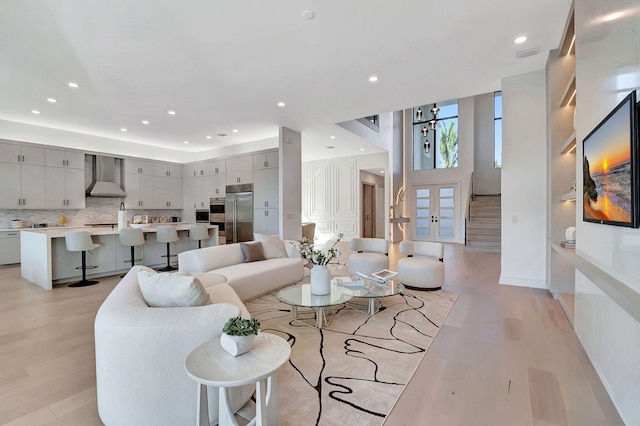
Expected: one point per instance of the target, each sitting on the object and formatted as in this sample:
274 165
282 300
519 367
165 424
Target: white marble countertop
56 232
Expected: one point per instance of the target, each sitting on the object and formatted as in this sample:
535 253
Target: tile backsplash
98 210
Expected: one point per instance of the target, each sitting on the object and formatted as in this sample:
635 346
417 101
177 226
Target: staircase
483 224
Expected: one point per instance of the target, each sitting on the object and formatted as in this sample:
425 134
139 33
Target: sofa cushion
169 290
271 246
252 251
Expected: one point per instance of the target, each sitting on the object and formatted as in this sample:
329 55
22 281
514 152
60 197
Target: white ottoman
371 256
424 266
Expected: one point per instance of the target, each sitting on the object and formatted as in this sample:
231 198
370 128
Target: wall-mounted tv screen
610 168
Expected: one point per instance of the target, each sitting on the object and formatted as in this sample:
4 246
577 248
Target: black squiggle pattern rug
352 371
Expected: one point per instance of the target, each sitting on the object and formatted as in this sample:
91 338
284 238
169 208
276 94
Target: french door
437 212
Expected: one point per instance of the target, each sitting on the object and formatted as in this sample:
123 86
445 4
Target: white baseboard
523 282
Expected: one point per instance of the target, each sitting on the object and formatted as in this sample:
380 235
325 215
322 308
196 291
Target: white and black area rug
352 371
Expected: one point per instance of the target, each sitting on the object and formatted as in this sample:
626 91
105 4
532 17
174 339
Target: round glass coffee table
373 291
300 295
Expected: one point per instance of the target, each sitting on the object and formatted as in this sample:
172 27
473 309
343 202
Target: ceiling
225 65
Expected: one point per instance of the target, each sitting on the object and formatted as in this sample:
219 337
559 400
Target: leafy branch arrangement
237 326
319 257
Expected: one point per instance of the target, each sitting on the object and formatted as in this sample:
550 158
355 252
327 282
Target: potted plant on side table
239 334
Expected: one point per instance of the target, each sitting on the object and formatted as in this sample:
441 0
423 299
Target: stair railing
467 214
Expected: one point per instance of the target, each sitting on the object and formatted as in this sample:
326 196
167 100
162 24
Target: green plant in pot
239 334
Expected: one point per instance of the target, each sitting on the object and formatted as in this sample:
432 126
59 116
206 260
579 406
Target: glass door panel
436 212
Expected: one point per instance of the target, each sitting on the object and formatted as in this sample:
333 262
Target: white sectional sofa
140 354
249 280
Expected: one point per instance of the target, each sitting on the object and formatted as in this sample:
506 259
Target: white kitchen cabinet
10 193
21 154
136 166
265 189
265 160
61 158
217 167
21 177
266 221
32 186
64 188
139 189
167 170
239 170
218 185
9 247
167 193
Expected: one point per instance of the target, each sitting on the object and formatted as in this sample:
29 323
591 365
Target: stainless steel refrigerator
238 213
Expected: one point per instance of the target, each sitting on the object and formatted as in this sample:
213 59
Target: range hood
104 183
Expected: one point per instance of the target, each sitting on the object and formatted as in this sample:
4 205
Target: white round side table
210 365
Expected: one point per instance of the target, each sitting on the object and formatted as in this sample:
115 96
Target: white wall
607 69
524 166
486 178
290 179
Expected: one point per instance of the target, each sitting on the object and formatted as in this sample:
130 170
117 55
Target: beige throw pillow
252 251
272 246
169 290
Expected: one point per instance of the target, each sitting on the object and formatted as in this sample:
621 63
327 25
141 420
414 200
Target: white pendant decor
237 345
320 280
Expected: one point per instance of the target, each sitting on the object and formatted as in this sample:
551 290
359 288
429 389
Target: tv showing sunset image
608 168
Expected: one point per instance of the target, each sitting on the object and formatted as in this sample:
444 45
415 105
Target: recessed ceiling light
235 130
281 104
171 112
330 147
186 141
332 137
145 122
520 39
382 171
308 14
208 137
35 111
373 79
361 149
72 84
123 129
53 101
612 16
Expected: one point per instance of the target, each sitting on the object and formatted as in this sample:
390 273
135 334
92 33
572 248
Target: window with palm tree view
435 135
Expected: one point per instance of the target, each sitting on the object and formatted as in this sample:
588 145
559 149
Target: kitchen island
45 260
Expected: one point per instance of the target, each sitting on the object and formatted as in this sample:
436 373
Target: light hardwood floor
506 356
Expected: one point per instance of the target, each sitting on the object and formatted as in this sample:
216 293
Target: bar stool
81 241
131 237
198 233
167 234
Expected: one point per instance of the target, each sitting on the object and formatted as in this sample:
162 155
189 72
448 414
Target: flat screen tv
610 168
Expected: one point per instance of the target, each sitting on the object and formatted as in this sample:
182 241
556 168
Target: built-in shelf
569 94
569 196
568 44
623 295
399 220
569 146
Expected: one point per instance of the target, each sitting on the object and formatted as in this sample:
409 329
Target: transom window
497 119
435 135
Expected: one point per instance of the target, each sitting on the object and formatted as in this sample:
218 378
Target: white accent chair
198 233
371 256
423 268
81 241
131 237
167 234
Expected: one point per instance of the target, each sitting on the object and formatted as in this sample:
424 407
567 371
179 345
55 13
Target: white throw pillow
272 246
169 290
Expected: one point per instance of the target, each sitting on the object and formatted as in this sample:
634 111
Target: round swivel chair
372 255
131 237
198 233
167 234
81 241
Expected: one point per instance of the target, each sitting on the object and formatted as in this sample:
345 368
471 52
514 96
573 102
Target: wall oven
202 216
216 215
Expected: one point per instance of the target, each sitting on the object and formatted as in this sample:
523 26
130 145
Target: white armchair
371 256
423 268
140 355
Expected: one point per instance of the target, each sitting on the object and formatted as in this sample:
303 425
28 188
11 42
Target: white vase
320 280
237 345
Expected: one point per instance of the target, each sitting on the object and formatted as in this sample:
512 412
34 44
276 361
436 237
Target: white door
436 211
